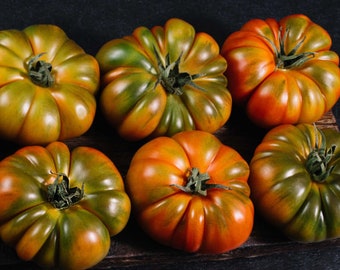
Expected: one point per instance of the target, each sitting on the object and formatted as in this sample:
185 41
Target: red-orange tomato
282 72
190 192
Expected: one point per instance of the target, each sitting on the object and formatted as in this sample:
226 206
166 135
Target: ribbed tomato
282 72
47 86
190 192
59 207
163 80
295 181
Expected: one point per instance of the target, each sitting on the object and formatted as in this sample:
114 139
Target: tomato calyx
197 183
59 193
291 59
171 78
318 159
40 71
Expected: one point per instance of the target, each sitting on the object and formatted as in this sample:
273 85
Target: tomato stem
197 183
40 71
318 159
171 78
291 59
59 193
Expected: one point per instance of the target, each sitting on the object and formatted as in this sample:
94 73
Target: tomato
59 207
47 86
282 72
295 181
163 80
190 192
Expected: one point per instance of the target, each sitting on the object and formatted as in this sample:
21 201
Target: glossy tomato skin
271 87
138 101
73 237
285 192
39 113
216 222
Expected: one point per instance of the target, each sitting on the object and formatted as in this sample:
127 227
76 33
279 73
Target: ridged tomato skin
163 80
75 235
47 86
295 183
215 222
282 71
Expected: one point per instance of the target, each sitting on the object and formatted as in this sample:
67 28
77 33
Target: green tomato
295 181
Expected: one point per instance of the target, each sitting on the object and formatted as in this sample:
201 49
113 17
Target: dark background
92 23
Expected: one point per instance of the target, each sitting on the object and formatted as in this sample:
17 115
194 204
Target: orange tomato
190 192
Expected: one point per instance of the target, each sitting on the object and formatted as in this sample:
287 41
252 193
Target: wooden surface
132 249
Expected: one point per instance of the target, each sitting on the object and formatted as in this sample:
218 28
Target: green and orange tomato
163 80
295 181
59 207
47 86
